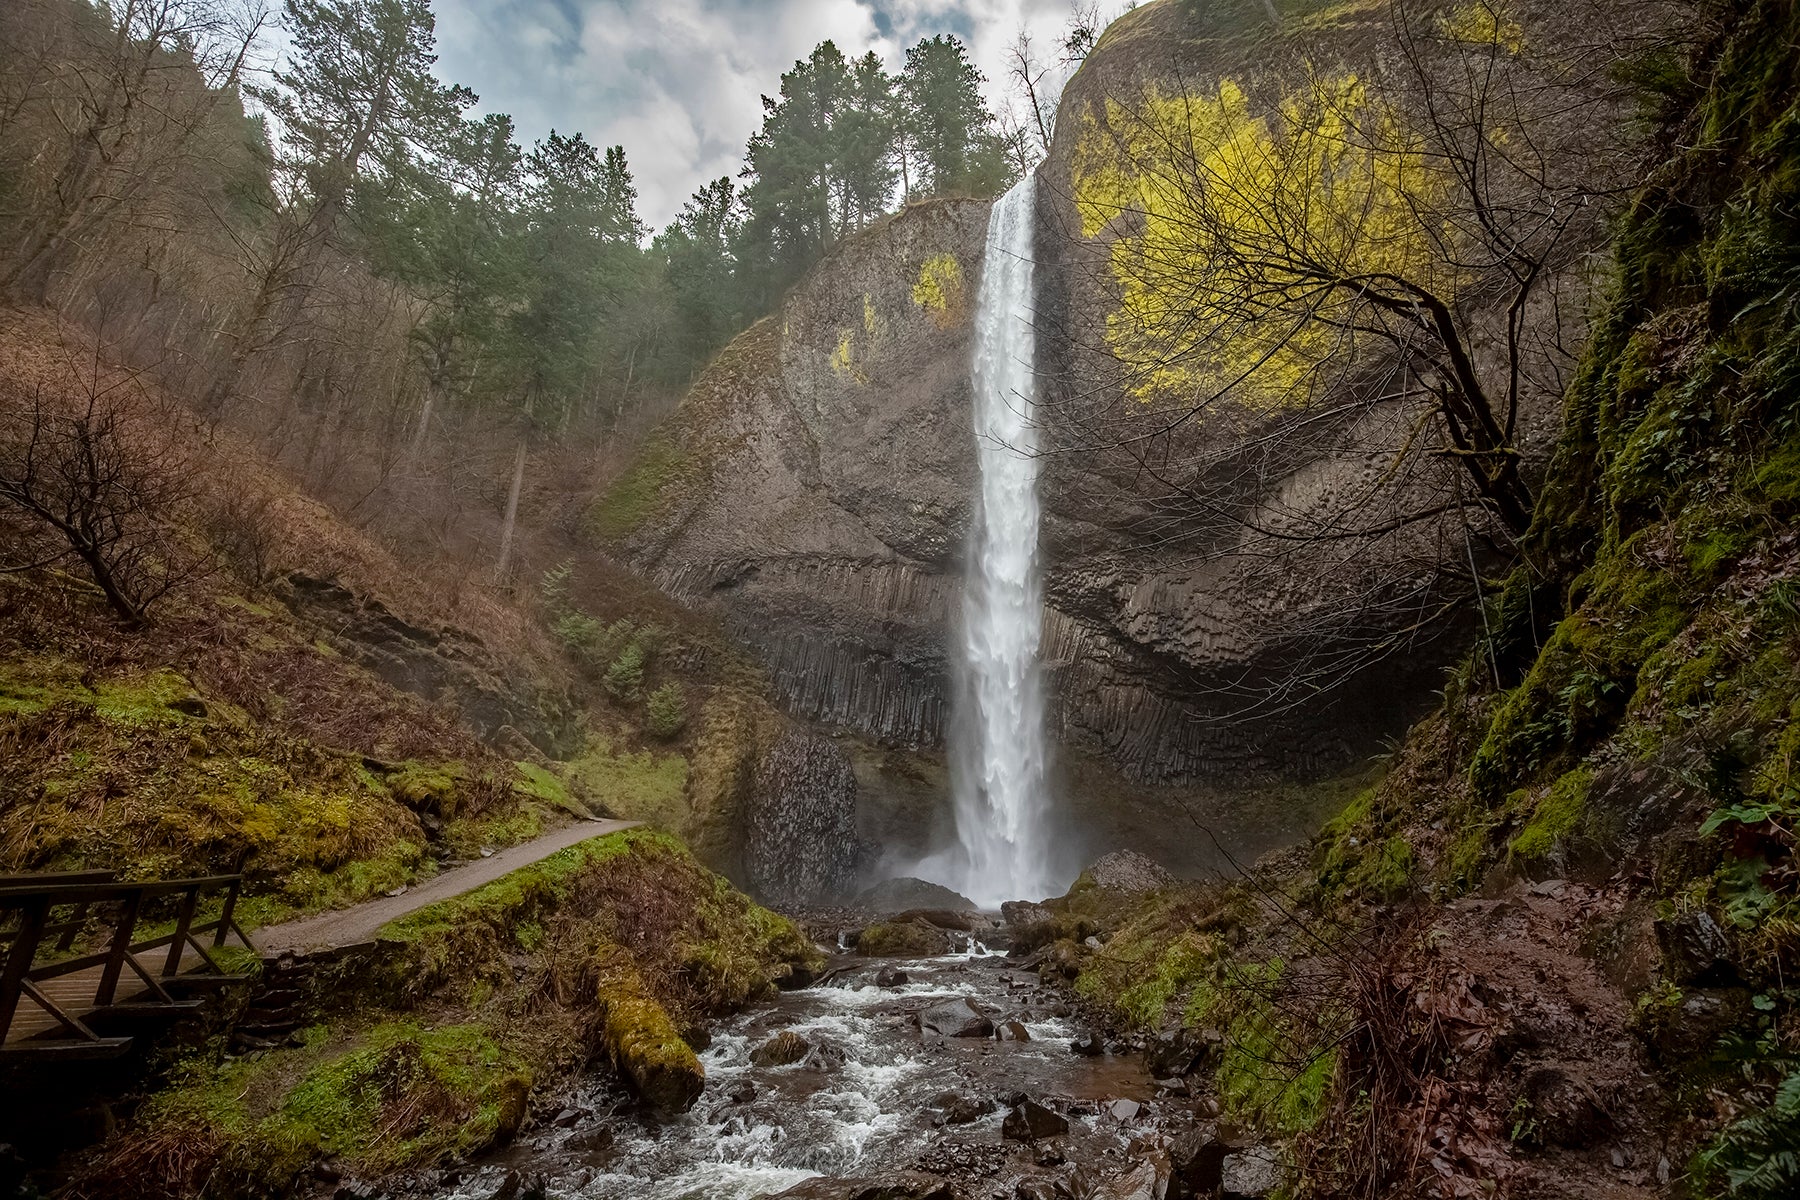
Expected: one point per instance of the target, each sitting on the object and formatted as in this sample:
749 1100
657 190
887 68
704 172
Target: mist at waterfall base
999 752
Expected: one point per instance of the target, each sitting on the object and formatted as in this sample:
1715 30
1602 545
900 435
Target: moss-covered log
643 1042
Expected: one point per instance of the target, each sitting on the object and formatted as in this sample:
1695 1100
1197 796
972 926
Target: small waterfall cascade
998 740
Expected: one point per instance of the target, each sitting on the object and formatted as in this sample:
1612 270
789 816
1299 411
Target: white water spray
1000 776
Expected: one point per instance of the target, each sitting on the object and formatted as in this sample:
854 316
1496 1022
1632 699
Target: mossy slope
433 1044
1624 735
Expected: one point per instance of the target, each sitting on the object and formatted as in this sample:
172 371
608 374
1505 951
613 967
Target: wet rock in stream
784 1048
962 1110
1032 1122
901 1185
958 1018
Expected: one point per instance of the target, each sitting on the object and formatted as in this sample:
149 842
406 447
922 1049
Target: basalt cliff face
815 487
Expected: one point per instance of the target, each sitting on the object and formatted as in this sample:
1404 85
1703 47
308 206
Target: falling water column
1000 774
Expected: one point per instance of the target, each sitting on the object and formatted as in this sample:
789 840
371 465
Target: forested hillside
433 326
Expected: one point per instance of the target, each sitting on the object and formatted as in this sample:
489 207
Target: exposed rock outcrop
443 665
801 845
815 485
1129 873
815 482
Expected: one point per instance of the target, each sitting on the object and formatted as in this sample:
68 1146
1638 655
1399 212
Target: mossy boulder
904 939
784 1048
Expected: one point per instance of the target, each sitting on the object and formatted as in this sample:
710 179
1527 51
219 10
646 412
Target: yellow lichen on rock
844 358
1237 235
1483 23
848 360
940 291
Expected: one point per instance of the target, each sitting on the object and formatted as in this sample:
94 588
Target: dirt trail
346 927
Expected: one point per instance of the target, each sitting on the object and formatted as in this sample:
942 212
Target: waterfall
998 740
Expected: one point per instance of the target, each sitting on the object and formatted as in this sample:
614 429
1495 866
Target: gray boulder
1147 1179
956 1018
904 893
1251 1174
1030 924
1174 1053
1128 873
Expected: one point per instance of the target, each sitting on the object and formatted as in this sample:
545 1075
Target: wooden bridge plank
44 1009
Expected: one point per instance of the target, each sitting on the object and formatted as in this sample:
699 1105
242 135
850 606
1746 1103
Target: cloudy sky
678 82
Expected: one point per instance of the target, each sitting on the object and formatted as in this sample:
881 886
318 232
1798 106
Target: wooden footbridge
76 978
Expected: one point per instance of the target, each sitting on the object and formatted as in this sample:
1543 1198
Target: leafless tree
102 110
1034 81
83 479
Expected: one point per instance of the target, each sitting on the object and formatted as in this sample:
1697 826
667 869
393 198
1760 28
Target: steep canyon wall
815 487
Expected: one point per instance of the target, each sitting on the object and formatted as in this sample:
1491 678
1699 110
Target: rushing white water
870 1100
1000 775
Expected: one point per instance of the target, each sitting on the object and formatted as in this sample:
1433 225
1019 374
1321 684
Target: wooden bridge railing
50 911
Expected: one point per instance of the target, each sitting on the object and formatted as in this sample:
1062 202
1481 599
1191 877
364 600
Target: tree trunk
512 514
424 430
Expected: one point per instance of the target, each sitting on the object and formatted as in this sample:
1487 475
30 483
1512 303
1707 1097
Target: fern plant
1757 1156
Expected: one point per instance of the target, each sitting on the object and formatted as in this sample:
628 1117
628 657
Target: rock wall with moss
1551 953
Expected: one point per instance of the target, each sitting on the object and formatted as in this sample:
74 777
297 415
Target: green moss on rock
641 1039
1554 817
640 494
902 939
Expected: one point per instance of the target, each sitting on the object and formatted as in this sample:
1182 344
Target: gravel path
347 927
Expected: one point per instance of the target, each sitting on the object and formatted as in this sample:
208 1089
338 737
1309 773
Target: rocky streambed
950 1076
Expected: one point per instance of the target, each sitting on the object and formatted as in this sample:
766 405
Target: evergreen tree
820 167
955 148
457 247
863 142
701 270
618 200
585 263
358 99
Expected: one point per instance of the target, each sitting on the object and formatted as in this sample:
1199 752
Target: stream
875 1094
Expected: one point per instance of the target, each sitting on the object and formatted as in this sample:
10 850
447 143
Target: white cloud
678 82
